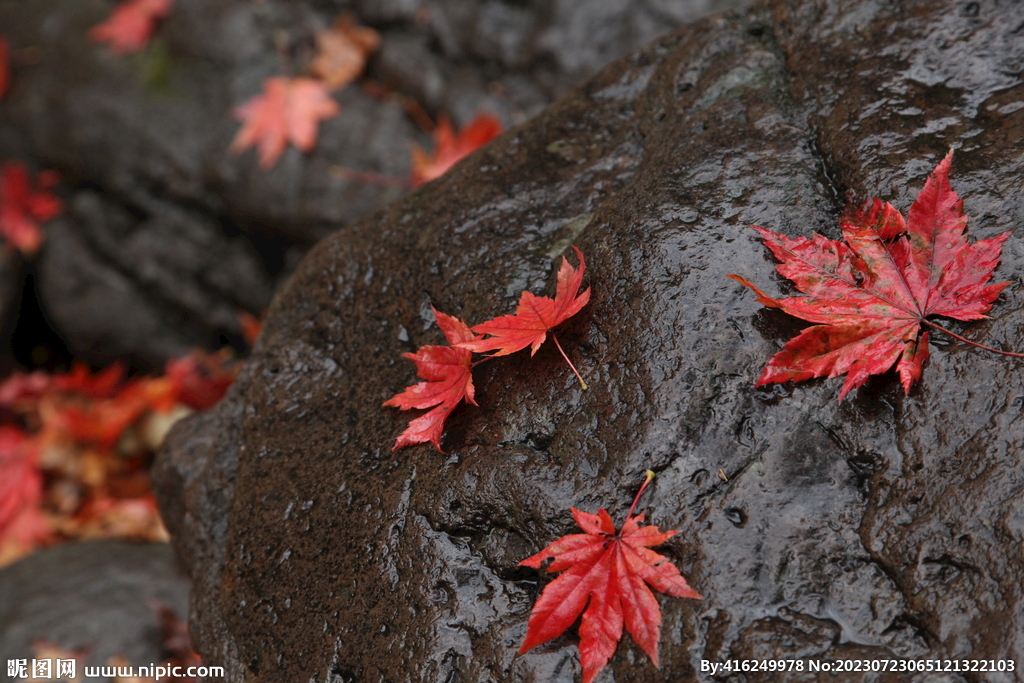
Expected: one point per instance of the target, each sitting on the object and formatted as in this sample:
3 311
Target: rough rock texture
94 596
884 526
145 138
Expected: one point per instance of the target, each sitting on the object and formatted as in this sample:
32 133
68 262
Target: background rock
884 526
151 132
91 596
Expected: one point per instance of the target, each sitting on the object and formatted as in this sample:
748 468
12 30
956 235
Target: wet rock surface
92 596
884 526
150 133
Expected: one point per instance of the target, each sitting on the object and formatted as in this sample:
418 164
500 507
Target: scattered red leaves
448 372
23 208
870 295
131 25
607 572
289 110
5 67
342 51
450 147
74 448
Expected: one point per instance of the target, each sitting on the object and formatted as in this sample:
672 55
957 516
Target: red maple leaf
22 209
535 316
5 67
21 487
448 372
104 384
870 294
199 380
289 110
608 573
450 147
131 25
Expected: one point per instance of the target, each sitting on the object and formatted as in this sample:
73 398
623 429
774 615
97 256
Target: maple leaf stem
643 487
968 341
482 360
578 376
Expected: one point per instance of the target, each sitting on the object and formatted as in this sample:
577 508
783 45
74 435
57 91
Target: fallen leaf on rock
535 317
131 25
23 208
342 51
608 573
450 147
870 295
448 372
289 110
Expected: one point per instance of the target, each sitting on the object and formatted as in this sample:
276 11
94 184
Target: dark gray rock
154 129
157 281
94 596
884 526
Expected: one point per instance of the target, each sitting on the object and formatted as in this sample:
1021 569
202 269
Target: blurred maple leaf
5 67
450 147
289 110
130 25
199 379
251 327
22 524
342 52
22 209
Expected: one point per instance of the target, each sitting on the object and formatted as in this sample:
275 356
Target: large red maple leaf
448 371
23 208
289 110
131 25
608 573
450 147
535 317
870 294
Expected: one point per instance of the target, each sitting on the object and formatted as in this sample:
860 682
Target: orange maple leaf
22 208
289 110
608 573
449 148
131 25
342 52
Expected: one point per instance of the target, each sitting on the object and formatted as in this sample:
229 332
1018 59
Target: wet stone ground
883 526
